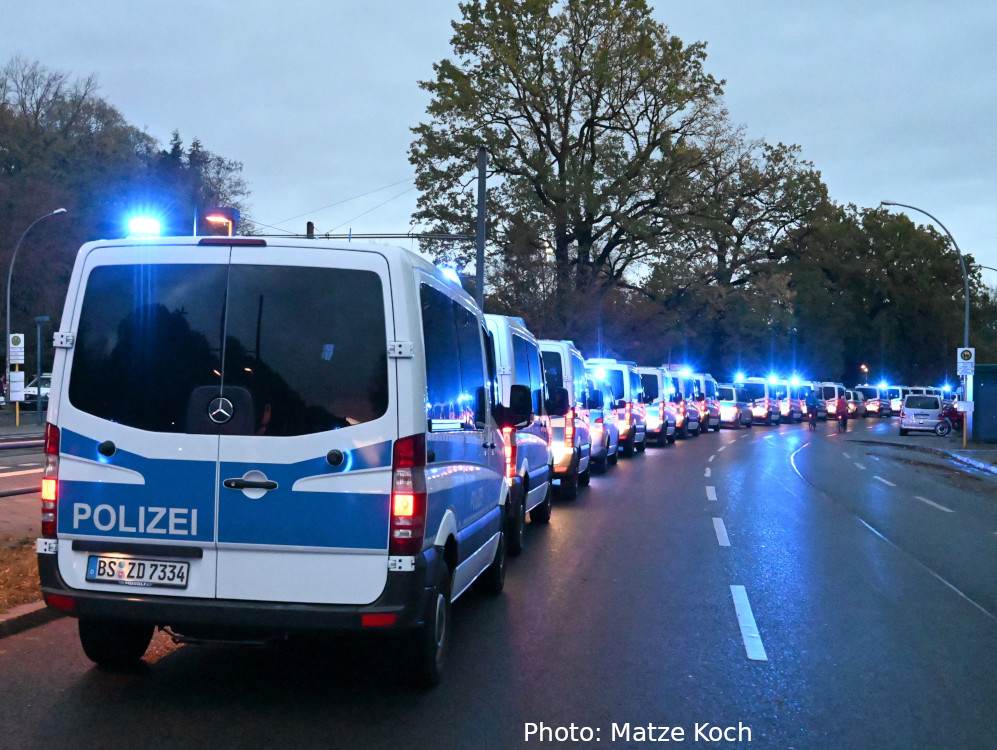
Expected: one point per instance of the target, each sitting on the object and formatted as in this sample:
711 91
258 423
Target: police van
659 419
528 456
625 383
571 443
252 437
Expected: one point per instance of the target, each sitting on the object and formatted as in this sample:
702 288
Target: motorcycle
951 420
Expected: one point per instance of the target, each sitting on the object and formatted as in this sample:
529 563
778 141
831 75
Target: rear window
553 369
868 393
725 393
650 383
302 350
827 392
755 390
922 402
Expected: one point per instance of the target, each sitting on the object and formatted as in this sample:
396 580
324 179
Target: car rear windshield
869 393
726 393
755 390
650 383
923 402
296 350
827 392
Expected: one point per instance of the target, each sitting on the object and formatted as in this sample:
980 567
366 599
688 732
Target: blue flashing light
883 384
773 380
600 373
946 388
687 371
143 226
451 273
738 377
794 380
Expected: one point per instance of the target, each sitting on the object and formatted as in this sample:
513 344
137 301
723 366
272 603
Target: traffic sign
15 349
966 361
16 385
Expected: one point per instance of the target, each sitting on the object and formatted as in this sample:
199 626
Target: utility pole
479 271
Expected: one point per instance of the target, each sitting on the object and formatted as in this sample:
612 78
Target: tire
586 476
628 446
671 439
717 428
117 645
903 432
492 581
613 456
599 465
516 528
431 640
943 428
641 447
692 433
568 489
541 513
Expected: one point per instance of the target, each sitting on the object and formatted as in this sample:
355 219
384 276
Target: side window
493 394
520 360
553 370
711 389
439 330
472 366
578 370
537 384
636 388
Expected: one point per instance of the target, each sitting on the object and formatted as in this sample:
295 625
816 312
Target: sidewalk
982 456
29 427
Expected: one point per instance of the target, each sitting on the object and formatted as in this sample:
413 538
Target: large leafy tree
591 113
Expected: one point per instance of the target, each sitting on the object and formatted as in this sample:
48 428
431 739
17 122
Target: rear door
305 470
137 478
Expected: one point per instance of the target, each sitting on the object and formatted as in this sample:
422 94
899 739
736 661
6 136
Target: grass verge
18 573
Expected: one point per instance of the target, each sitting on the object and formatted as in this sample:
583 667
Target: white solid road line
936 505
884 481
711 493
21 473
707 474
746 621
718 526
859 465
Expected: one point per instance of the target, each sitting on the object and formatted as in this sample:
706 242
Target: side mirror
558 404
519 411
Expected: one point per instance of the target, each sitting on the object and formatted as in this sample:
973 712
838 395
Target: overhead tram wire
344 200
339 226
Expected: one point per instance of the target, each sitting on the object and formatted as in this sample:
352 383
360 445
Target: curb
26 616
982 465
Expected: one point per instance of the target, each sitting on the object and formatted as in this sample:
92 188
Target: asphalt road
868 572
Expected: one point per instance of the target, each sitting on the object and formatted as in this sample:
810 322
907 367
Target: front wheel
586 476
516 527
943 428
117 645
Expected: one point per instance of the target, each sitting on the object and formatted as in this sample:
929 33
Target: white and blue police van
253 437
571 441
659 419
625 382
527 444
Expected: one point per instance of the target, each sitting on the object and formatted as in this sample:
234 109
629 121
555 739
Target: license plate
131 571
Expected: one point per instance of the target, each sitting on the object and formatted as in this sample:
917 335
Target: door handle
249 484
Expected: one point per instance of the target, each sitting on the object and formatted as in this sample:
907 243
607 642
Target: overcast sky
895 99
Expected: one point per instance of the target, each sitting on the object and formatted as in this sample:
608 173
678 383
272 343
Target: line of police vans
250 438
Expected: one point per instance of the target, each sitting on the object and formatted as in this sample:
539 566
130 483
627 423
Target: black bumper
405 595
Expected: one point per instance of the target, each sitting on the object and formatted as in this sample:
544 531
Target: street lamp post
966 423
10 274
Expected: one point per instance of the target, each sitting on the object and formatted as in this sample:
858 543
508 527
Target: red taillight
627 414
50 482
569 428
408 496
64 603
509 434
378 620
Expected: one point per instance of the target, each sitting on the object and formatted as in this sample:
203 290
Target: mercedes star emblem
220 410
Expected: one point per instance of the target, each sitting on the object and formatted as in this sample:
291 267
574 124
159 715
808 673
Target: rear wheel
628 446
943 428
613 456
671 438
493 579
516 527
568 489
541 513
431 640
586 476
642 446
114 644
599 465
903 432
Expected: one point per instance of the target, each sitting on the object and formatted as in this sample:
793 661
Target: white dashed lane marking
707 474
722 447
935 505
718 526
887 482
711 493
746 622
859 465
710 459
847 454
